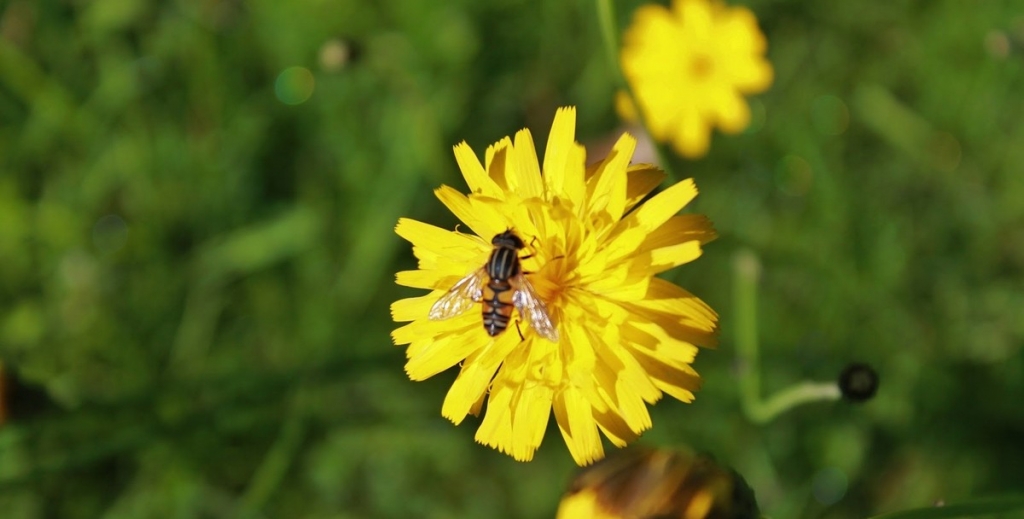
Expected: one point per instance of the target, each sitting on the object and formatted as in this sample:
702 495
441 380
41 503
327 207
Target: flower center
701 66
550 282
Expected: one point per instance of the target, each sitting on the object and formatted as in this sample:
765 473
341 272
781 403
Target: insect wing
531 307
467 292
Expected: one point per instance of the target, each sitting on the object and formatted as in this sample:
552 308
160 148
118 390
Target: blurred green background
196 251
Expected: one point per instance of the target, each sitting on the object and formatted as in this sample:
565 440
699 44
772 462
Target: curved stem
794 396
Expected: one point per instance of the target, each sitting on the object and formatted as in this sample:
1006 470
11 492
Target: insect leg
534 240
560 256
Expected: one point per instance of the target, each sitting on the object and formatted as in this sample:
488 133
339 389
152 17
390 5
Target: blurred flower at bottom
658 483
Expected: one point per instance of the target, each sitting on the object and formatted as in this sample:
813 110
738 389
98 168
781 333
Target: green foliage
983 507
195 275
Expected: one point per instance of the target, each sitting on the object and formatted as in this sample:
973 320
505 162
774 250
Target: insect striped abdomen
497 306
497 300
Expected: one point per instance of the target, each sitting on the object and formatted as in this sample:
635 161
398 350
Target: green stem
610 36
747 275
794 396
275 466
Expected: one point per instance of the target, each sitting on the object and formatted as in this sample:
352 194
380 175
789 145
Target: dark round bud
858 382
744 504
20 400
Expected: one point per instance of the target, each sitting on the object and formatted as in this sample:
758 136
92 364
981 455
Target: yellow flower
689 67
591 251
658 483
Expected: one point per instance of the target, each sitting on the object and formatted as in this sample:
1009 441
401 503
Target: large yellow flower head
619 336
689 68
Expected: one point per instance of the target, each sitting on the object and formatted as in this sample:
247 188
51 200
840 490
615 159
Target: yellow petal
430 236
440 250
559 150
473 172
479 216
625 282
532 410
738 26
478 405
679 382
624 107
732 114
496 429
413 308
525 179
444 265
642 179
497 163
621 379
579 358
696 17
624 400
429 279
425 328
742 61
658 209
621 364
574 187
432 279
579 429
668 297
692 135
653 29
614 427
680 229
652 340
520 403
476 374
575 350
673 326
665 258
532 406
756 76
445 351
585 504
520 213
606 190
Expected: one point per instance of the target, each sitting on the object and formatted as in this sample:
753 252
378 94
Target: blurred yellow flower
689 68
658 483
622 337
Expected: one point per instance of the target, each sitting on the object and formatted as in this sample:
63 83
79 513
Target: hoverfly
500 285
